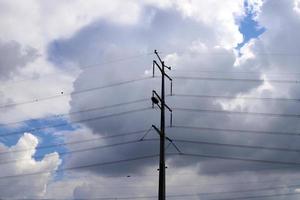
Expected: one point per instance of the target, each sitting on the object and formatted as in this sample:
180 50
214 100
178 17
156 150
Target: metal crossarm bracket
167 138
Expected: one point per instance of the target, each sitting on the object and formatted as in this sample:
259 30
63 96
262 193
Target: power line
75 92
181 109
241 159
130 58
260 196
238 130
152 156
83 111
81 166
238 146
208 70
138 132
231 53
236 79
80 67
79 150
75 122
133 142
276 187
205 96
201 184
285 184
200 155
282 186
290 185
234 145
195 195
238 112
241 131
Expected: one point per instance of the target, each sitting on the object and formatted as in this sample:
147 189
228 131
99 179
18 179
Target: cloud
27 29
275 54
41 19
13 57
25 164
31 84
190 53
186 37
191 39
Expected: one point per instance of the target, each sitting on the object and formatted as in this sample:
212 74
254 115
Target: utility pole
160 102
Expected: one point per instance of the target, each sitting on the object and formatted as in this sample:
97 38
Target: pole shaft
162 167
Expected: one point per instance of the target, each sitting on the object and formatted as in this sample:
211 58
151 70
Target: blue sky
249 27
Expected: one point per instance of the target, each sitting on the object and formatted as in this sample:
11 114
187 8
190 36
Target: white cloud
34 24
41 18
38 22
24 163
36 86
222 16
194 53
193 35
255 6
184 38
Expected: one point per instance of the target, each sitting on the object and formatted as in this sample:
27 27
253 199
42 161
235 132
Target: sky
75 108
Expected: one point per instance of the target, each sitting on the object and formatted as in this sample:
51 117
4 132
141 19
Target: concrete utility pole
160 102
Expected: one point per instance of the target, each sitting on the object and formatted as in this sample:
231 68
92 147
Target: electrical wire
83 67
130 176
242 159
132 81
186 195
138 132
238 112
281 186
75 122
238 131
82 111
81 166
261 188
176 140
236 79
230 53
208 70
238 146
152 156
260 196
204 96
78 151
75 92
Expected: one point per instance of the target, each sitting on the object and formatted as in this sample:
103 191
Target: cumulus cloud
21 155
185 37
190 53
274 54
